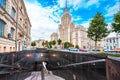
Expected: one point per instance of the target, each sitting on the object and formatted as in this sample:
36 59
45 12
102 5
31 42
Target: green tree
59 41
43 43
71 45
33 44
98 28
66 45
77 46
50 44
53 42
116 22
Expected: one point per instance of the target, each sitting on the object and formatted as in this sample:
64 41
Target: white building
112 41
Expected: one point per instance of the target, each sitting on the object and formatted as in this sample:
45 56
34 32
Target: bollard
74 77
42 74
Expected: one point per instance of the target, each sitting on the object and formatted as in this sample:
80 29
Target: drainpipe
16 39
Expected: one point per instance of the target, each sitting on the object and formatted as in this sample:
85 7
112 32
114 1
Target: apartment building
15 26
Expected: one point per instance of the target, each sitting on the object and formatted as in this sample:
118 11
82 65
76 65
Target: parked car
73 49
83 50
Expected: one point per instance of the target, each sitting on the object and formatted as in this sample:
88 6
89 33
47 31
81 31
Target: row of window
5 49
3 4
2 30
112 40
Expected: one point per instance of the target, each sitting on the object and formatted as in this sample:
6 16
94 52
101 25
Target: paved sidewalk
37 76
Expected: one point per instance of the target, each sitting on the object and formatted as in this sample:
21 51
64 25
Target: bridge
68 65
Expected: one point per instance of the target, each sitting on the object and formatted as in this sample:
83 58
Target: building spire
66 4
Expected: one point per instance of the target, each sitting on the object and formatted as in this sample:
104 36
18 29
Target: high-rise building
15 26
68 32
77 35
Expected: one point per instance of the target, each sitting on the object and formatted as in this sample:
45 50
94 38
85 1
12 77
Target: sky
45 15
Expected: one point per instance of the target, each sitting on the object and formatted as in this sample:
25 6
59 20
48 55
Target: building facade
112 41
15 26
68 32
54 36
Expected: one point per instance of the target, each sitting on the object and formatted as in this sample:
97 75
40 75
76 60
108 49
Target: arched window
12 33
3 3
13 12
2 26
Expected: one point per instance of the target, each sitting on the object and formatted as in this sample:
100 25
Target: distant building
39 43
54 36
11 14
112 41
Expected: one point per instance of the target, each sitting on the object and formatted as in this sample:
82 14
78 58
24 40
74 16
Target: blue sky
45 15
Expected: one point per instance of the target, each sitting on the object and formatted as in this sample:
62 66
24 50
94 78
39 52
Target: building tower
66 26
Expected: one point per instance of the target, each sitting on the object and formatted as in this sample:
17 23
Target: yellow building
15 26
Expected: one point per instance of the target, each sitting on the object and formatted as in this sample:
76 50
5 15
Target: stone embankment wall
113 68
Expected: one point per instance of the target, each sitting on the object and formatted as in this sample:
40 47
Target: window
114 40
10 49
4 49
12 33
13 12
2 26
110 41
2 3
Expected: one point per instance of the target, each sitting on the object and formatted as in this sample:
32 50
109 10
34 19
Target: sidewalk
37 76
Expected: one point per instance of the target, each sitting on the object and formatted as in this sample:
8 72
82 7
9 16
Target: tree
77 46
33 44
98 28
66 45
116 22
46 43
53 42
50 44
59 41
43 43
71 45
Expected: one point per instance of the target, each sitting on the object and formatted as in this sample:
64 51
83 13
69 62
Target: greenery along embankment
113 54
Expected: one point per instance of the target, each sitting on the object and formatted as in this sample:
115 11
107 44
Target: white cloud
111 10
61 3
77 18
42 20
76 4
92 2
86 24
